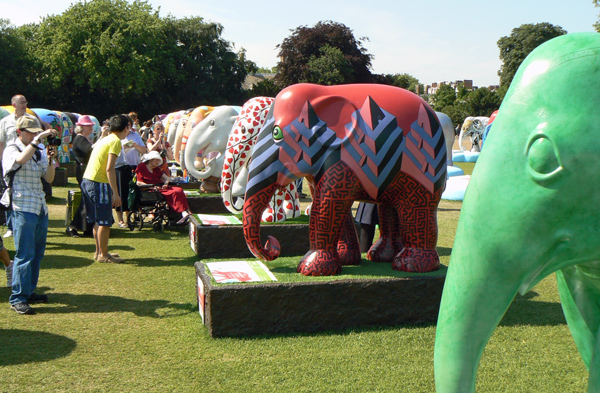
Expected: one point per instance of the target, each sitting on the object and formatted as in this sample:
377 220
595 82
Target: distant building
252 79
468 83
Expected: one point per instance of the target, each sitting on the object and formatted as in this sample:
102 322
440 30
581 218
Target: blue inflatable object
456 187
464 156
455 171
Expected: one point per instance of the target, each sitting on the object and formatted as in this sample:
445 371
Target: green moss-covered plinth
210 204
228 241
280 308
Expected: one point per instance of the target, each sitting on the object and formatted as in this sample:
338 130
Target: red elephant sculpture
372 143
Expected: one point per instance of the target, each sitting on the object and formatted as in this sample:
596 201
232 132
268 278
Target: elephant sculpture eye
212 123
542 157
277 133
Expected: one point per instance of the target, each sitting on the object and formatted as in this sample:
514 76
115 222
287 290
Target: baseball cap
28 123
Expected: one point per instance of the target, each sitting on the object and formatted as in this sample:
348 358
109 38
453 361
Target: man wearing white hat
23 161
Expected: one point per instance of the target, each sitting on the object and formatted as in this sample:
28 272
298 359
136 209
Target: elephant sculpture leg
418 226
389 243
332 199
348 246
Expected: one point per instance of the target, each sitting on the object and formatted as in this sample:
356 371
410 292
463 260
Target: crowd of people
104 171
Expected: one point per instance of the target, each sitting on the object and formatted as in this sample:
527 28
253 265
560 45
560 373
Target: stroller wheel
135 220
158 227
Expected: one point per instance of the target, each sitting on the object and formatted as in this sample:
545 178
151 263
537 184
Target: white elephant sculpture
449 135
285 202
210 136
473 127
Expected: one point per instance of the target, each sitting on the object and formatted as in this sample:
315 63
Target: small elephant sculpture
185 128
372 143
473 127
285 202
530 211
210 136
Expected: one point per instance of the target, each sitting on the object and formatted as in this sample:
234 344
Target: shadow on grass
67 262
443 209
327 333
63 303
28 346
524 311
166 261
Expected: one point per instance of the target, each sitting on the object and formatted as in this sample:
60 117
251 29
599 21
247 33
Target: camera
54 141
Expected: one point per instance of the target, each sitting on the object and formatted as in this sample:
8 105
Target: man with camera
24 162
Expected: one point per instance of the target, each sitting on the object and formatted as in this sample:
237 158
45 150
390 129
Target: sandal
112 255
123 225
110 259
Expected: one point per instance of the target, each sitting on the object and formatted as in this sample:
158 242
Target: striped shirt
27 191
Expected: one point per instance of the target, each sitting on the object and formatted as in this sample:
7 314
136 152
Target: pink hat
84 121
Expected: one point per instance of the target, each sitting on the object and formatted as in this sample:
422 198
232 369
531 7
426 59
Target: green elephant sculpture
529 212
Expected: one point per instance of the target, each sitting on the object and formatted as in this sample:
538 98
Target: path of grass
135 327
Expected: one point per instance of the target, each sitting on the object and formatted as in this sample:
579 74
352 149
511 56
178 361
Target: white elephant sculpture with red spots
285 203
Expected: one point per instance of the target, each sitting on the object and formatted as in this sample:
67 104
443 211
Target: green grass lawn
135 327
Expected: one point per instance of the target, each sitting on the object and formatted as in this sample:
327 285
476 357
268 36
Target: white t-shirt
8 129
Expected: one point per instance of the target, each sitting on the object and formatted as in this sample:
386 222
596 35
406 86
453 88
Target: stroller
143 201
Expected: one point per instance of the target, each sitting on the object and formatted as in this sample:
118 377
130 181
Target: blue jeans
29 233
8 220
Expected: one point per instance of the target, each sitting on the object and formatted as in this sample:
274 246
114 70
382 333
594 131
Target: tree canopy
522 40
479 102
110 56
300 55
15 60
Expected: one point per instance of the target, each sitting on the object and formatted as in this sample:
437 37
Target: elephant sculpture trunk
254 205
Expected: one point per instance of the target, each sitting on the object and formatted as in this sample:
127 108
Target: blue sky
432 40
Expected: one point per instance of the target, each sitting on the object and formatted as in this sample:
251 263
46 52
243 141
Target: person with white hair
149 172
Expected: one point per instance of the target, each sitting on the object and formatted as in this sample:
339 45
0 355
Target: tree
331 68
110 56
443 97
16 63
265 70
304 45
457 113
404 81
482 102
515 48
264 88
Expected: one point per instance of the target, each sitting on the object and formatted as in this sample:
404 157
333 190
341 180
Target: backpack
4 187
135 194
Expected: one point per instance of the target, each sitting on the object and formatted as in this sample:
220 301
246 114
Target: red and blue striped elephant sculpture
372 143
